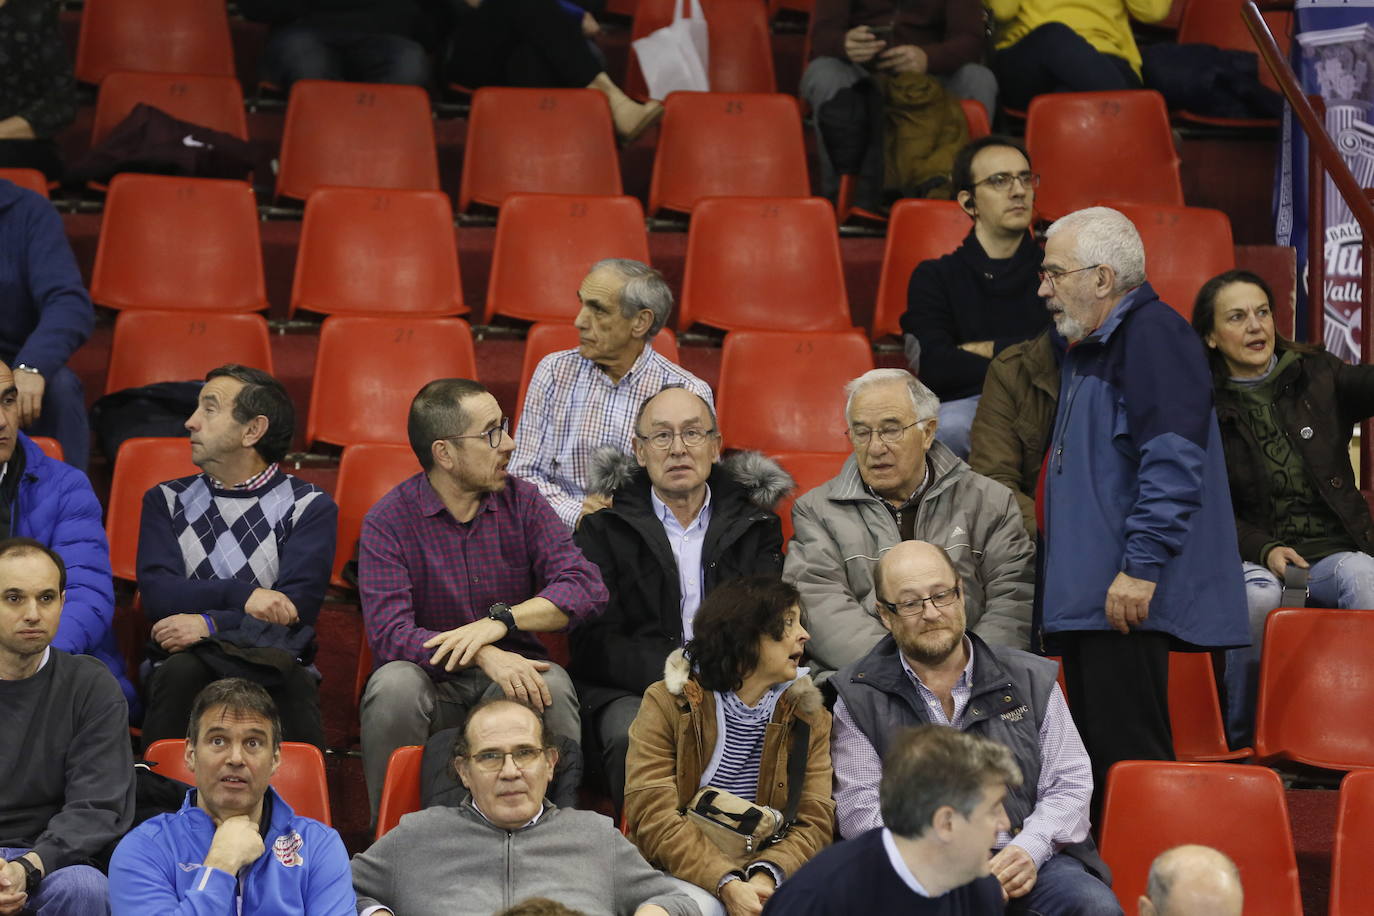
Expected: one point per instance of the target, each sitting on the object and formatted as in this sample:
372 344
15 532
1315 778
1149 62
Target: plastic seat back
1092 146
156 346
557 141
32 179
740 58
401 791
184 244
50 447
548 337
300 780
1352 881
377 251
1184 248
977 117
143 463
367 472
368 370
1195 711
1151 806
359 135
1316 688
188 36
210 101
764 263
918 230
809 470
783 391
720 144
547 243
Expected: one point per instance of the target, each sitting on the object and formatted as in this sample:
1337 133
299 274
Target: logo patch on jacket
1011 715
287 849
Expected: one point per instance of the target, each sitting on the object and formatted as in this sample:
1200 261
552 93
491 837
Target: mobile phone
882 31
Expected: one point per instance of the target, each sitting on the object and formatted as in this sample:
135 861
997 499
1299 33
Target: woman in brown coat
724 716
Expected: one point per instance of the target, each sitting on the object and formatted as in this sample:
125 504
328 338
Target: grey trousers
402 705
826 76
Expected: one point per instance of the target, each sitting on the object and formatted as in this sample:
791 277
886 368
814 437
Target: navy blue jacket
1136 482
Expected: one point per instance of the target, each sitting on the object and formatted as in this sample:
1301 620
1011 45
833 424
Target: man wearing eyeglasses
967 306
680 524
458 568
901 485
506 843
930 670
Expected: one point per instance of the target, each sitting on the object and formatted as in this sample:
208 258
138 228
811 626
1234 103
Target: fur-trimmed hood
677 671
762 478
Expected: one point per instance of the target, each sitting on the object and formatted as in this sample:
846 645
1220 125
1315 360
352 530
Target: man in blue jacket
235 846
45 314
1140 543
54 504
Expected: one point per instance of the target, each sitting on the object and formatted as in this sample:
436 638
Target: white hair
1105 236
923 400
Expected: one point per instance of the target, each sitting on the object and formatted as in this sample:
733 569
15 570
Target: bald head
917 562
1192 881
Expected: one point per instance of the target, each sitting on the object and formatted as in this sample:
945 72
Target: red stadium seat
784 391
770 264
368 370
142 464
50 446
717 144
1184 248
1195 712
977 117
1316 689
184 244
549 337
300 780
809 470
1092 146
155 346
556 141
401 791
188 36
1219 23
367 472
360 135
1151 806
1352 881
919 230
377 251
215 102
546 244
740 57
27 178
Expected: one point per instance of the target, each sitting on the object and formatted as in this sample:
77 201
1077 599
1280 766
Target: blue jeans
1064 887
77 890
956 419
298 52
1341 580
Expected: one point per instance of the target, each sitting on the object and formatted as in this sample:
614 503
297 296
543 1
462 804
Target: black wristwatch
501 611
31 875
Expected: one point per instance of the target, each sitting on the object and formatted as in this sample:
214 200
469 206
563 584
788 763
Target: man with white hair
902 485
1189 880
1139 538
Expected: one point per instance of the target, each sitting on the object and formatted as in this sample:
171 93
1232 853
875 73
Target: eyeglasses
890 434
914 607
692 438
493 435
494 761
1002 180
1049 276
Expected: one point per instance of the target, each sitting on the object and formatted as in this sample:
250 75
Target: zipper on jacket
1063 422
506 894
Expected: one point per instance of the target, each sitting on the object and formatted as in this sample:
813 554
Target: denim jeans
1063 887
956 419
77 890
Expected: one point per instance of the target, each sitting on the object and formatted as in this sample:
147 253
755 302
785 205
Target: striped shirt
572 408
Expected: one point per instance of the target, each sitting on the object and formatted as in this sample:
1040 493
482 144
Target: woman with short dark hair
727 715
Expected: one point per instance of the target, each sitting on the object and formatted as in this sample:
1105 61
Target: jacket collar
279 817
943 464
882 670
1133 300
677 677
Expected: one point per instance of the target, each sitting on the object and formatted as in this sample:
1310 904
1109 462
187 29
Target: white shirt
687 545
894 858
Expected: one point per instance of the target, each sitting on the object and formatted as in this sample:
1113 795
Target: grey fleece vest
1011 691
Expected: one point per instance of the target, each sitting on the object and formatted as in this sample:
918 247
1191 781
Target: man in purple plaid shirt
458 567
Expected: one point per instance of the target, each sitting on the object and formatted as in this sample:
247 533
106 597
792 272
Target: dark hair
644 407
460 741
961 175
931 766
436 412
238 695
1205 313
724 648
262 396
29 545
540 906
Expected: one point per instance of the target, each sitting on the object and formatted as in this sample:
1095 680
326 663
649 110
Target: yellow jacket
1103 23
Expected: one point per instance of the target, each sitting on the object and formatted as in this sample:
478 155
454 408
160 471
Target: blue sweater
45 313
303 869
1136 482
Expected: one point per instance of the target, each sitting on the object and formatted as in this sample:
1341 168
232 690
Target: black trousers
173 686
530 43
39 154
1119 695
1055 58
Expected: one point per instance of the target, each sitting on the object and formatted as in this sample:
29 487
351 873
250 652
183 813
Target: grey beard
1072 329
